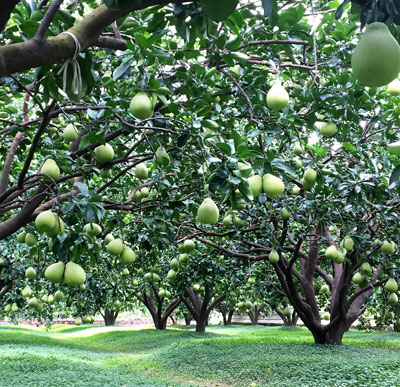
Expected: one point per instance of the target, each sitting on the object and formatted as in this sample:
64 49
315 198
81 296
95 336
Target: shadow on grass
127 341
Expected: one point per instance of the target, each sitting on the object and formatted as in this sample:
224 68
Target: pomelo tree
262 88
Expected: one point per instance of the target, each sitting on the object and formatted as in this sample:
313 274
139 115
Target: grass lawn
225 356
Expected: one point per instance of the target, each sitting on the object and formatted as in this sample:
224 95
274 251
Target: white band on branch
76 78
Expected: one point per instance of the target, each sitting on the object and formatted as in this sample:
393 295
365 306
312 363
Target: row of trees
206 78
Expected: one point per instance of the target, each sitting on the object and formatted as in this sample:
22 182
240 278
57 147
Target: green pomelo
388 247
328 129
376 59
393 299
183 257
30 239
26 291
189 245
340 258
255 183
115 247
39 307
70 133
348 243
141 106
391 285
297 163
286 312
141 171
92 229
30 273
74 275
156 277
162 156
208 212
171 274
174 264
144 192
389 315
58 295
284 213
237 221
272 186
50 168
297 150
55 272
148 277
273 256
325 289
105 173
58 229
296 190
45 221
331 252
104 153
21 237
128 256
366 268
357 278
227 220
108 238
277 97
33 302
310 175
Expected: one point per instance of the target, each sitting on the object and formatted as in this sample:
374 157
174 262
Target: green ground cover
224 356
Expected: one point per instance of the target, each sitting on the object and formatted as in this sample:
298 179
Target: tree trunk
188 319
230 315
332 337
252 316
201 325
227 316
199 308
160 324
154 304
109 317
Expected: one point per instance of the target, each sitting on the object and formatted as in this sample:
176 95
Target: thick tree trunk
333 337
199 308
154 304
160 324
109 317
201 325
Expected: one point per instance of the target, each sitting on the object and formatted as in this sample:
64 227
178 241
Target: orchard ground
224 356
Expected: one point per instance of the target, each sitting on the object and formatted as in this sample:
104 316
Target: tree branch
19 57
10 156
48 18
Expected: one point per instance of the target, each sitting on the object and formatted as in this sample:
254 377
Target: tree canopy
125 118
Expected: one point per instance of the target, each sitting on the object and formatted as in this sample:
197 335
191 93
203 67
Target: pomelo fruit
376 59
